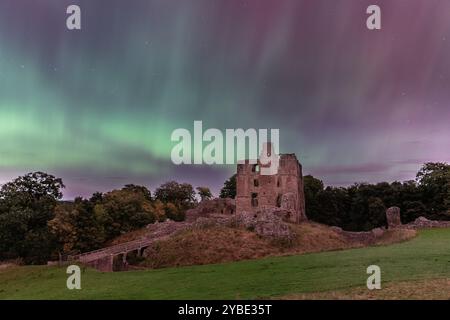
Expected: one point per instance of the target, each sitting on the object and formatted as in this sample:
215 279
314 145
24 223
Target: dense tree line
362 206
36 225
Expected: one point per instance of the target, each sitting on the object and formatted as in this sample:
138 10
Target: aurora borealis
97 106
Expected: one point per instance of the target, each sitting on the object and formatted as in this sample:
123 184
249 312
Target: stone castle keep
283 190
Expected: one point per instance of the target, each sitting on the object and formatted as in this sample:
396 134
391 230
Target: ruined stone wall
206 207
424 223
255 192
393 220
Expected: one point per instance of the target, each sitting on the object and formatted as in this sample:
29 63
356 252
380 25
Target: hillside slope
424 257
224 244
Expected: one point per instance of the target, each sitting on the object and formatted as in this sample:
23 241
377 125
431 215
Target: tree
63 228
174 213
434 173
434 182
33 186
141 189
229 188
76 227
312 187
204 193
26 205
376 213
332 207
159 210
411 210
125 210
97 197
180 194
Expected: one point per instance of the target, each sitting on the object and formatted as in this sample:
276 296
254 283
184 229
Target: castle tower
283 190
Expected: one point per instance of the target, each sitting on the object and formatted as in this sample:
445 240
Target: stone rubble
393 219
423 222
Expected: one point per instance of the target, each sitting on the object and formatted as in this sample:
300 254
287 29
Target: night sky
97 106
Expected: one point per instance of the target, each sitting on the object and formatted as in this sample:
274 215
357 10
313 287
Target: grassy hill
425 257
213 244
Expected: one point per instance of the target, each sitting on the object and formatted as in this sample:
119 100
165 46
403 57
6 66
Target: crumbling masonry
284 190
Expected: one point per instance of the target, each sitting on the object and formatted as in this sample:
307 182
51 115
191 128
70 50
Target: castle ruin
283 190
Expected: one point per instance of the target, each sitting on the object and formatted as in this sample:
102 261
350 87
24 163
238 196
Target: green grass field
425 257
